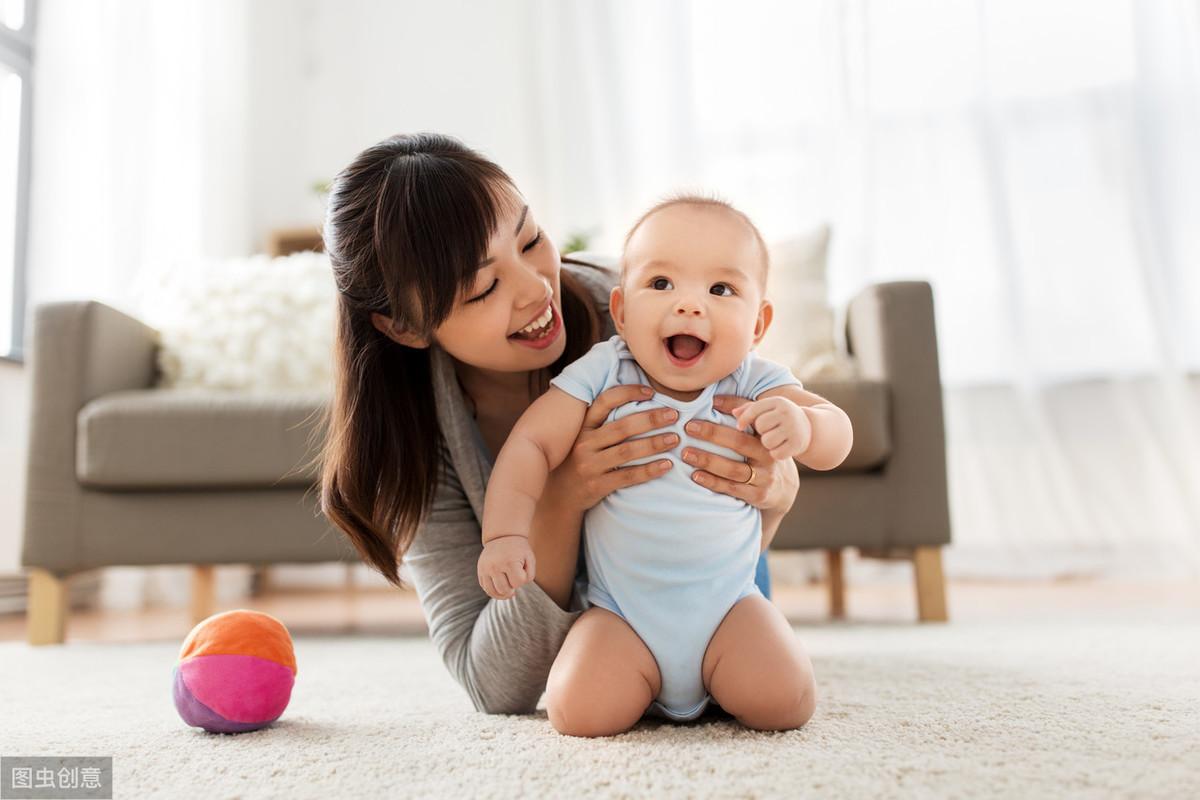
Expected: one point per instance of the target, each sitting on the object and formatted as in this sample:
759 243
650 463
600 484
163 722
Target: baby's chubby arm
538 443
794 423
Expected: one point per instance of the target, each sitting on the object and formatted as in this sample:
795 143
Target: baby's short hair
704 200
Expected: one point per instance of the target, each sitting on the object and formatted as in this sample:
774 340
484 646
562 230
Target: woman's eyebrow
520 224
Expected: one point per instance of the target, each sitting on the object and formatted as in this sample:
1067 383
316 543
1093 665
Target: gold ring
751 475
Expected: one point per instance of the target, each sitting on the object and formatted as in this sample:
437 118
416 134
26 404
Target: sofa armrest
890 330
80 351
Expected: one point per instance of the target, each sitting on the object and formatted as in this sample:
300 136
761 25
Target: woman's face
517 285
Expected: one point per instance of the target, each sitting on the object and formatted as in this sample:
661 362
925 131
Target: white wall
329 79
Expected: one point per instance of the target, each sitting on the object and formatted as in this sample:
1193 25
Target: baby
668 556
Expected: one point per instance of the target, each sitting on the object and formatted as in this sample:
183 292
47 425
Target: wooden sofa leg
931 586
837 585
203 592
47 615
261 580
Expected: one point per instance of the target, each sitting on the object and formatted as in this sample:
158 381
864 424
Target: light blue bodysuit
668 555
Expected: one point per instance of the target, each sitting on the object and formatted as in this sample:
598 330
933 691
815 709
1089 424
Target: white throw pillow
802 326
254 324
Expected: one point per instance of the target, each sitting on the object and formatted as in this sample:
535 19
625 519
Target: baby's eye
655 283
725 285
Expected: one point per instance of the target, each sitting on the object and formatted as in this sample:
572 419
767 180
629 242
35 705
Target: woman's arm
554 536
772 517
499 651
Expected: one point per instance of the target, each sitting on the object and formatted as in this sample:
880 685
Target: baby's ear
765 313
616 308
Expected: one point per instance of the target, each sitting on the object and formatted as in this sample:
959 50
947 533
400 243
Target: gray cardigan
500 651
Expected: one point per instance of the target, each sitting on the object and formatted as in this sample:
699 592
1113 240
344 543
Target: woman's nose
534 287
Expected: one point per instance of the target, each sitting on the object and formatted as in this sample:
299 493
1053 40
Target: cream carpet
1031 709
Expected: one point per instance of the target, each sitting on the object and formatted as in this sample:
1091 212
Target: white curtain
140 143
1035 161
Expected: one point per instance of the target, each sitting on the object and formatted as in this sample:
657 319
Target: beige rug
1036 709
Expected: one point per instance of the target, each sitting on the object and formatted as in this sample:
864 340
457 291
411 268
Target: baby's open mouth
684 347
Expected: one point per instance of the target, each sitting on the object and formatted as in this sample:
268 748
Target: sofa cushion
177 438
173 438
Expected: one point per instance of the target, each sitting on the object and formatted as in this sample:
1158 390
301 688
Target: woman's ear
391 329
765 312
616 308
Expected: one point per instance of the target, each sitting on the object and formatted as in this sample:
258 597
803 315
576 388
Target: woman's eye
655 283
725 285
485 294
532 244
536 241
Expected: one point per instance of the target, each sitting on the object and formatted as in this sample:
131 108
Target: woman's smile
542 337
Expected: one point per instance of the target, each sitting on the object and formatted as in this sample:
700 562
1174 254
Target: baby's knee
785 706
574 711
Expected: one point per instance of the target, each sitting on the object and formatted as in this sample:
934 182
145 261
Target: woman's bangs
448 213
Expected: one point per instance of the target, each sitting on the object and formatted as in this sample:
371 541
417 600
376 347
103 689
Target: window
16 60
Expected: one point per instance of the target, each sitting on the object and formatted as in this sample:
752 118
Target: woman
439 265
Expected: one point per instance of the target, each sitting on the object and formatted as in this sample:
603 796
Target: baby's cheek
725 358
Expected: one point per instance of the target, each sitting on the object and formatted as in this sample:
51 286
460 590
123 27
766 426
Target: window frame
17 54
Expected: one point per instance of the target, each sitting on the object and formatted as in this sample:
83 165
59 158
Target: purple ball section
198 715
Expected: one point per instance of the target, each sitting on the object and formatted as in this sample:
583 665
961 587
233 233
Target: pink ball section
235 672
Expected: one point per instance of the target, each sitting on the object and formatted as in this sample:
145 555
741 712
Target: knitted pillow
252 324
802 326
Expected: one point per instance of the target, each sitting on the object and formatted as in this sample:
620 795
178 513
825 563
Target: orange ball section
241 632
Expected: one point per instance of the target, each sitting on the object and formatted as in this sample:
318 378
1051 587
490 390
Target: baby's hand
782 426
505 565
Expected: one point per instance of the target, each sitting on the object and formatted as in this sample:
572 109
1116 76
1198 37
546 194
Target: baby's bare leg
603 679
756 669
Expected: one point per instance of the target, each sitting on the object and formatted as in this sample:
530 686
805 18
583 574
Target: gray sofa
122 473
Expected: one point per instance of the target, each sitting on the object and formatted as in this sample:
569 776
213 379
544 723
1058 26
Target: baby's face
691 303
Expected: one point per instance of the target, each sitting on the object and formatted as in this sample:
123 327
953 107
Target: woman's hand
774 482
593 468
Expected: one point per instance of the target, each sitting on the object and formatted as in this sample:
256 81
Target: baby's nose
686 308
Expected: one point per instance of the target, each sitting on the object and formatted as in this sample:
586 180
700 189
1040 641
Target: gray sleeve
500 651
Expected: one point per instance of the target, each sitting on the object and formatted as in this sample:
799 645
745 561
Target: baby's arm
538 443
794 423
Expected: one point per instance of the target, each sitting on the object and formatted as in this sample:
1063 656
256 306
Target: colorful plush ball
235 672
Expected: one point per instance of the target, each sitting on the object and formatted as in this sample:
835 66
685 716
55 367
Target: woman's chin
544 358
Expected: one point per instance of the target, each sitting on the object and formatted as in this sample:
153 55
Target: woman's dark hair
407 223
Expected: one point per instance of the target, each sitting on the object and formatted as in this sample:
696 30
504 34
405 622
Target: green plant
576 241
